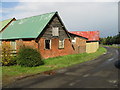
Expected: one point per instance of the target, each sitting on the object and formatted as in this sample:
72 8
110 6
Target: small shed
79 43
92 44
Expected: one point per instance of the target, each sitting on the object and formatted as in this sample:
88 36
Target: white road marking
117 52
104 53
112 81
73 83
86 75
110 59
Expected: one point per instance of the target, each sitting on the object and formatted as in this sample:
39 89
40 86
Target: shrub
6 55
29 57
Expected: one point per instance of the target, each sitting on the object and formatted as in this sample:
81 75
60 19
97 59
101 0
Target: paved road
98 73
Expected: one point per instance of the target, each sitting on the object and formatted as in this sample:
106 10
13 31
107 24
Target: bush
29 57
7 57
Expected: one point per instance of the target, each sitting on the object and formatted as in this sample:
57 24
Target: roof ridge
36 15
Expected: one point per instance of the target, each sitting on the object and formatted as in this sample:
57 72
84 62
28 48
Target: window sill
55 36
47 49
60 48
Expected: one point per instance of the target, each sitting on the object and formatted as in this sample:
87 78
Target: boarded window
47 44
55 31
13 45
61 44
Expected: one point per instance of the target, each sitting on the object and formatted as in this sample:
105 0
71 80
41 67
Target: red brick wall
80 45
29 43
55 51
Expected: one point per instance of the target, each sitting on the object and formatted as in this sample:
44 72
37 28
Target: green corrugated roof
4 23
29 27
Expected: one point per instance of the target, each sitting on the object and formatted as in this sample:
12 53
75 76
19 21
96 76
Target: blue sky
77 16
9 4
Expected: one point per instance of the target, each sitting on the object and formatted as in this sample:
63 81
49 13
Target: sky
77 15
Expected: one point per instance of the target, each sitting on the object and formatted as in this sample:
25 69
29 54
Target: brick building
45 32
79 43
92 44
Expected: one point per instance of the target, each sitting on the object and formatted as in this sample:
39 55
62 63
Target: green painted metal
4 23
29 27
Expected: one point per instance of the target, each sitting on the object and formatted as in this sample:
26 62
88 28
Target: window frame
45 44
0 43
74 40
12 46
63 44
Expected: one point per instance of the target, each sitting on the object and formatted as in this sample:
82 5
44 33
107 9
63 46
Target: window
74 40
47 44
55 31
13 45
0 43
61 44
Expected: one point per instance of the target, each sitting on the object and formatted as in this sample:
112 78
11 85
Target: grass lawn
114 46
10 73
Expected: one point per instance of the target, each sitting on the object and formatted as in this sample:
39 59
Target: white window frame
74 40
55 31
45 44
0 43
63 44
15 44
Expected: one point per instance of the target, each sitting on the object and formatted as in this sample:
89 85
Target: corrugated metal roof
91 35
29 27
78 35
4 23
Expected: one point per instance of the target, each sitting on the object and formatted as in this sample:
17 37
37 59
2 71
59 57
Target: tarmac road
98 73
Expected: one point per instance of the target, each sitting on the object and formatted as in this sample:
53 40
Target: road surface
98 73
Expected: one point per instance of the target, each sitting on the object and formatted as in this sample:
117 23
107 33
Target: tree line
110 40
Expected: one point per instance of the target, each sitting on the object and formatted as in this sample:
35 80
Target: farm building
45 32
78 42
92 44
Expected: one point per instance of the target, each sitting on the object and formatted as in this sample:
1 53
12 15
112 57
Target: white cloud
76 16
27 9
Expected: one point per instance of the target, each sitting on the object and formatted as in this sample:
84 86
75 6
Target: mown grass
114 46
10 73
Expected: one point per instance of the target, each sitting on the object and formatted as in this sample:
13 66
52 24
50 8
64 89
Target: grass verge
10 73
114 46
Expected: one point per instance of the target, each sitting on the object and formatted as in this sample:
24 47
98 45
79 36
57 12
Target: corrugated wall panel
92 47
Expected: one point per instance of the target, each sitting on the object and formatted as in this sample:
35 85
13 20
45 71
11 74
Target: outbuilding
92 44
79 43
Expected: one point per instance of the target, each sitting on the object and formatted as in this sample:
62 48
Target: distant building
92 44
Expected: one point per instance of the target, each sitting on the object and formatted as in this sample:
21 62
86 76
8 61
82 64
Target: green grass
114 46
11 72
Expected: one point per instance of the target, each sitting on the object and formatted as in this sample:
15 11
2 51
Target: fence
12 53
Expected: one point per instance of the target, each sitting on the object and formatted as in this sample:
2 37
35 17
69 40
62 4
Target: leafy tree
110 40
